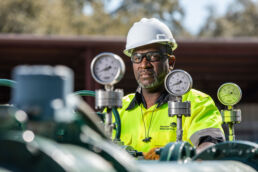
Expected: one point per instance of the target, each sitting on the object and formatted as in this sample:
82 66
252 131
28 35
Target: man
144 115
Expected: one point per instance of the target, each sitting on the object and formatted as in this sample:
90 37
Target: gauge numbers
229 94
178 82
107 68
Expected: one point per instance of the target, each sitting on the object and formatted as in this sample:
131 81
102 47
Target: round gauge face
229 94
178 82
107 68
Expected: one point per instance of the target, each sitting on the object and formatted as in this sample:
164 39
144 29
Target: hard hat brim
128 51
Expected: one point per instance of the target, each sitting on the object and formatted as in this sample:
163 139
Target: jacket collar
138 99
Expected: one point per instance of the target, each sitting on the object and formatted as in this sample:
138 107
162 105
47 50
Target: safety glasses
150 56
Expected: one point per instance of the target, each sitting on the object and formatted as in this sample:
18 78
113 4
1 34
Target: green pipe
114 110
7 82
118 123
85 93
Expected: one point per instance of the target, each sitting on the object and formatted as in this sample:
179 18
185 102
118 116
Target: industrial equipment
48 110
108 69
46 127
177 83
230 94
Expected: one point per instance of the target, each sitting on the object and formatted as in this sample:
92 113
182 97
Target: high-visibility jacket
136 123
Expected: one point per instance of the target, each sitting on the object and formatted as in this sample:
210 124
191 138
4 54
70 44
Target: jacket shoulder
128 97
127 100
198 93
196 96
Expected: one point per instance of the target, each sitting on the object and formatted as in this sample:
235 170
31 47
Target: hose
114 110
85 93
7 82
118 124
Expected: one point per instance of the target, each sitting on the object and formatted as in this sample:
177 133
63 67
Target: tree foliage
169 11
241 19
18 16
67 17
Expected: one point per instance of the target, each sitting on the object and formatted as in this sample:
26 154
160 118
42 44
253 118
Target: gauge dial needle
225 95
179 82
106 68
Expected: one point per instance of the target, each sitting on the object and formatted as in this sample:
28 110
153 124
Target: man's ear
171 61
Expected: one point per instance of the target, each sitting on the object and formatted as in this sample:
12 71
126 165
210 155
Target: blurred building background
71 33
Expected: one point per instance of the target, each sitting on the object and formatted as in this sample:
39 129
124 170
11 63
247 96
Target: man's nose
145 63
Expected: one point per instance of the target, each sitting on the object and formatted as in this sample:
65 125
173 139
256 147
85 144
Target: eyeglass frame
148 58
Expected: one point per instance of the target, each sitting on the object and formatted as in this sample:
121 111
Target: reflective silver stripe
213 132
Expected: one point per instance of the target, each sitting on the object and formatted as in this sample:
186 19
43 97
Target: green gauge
229 94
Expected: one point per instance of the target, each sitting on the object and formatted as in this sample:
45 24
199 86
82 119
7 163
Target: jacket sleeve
205 119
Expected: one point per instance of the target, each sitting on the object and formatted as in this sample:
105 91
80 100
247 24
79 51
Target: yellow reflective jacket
137 122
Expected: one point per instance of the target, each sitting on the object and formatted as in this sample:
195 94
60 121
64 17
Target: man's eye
155 56
137 57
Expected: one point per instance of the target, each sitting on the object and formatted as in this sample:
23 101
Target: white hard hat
148 31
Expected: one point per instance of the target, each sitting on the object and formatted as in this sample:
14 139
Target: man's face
150 75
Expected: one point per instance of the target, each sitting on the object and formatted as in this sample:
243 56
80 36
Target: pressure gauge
229 94
107 68
178 82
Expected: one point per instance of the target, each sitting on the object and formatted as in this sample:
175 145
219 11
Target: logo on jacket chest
171 126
